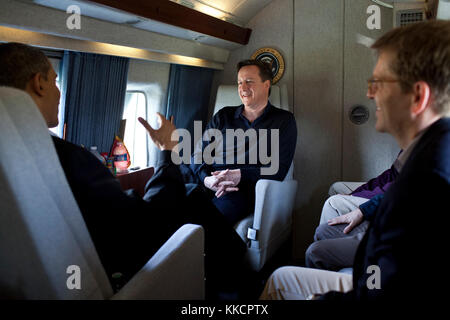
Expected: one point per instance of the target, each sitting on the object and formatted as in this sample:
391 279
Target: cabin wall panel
318 83
149 76
153 79
366 153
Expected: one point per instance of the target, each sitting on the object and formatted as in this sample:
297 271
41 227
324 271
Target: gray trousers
339 205
332 249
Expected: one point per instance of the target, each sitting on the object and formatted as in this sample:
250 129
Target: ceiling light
209 11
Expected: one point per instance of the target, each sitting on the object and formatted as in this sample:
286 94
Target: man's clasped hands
223 181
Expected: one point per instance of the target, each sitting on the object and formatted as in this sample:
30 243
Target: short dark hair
19 63
265 71
422 53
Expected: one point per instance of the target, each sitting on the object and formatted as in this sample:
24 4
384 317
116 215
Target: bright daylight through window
135 137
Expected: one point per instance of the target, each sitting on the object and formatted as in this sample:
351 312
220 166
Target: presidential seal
274 59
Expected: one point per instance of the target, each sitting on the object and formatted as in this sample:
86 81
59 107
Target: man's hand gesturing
161 137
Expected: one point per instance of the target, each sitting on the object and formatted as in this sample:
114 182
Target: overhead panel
181 16
238 12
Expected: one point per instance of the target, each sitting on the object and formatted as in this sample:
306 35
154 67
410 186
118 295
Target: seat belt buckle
252 233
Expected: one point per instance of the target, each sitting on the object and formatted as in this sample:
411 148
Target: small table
135 179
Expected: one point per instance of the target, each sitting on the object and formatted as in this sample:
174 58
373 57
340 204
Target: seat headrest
40 222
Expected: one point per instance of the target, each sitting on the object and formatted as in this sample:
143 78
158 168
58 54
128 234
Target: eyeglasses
372 84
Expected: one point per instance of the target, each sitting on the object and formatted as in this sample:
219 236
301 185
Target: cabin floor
252 283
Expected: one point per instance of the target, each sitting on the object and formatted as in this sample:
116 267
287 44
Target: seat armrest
270 212
272 219
175 272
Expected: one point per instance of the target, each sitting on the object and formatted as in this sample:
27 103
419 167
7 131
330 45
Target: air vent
359 114
407 12
405 17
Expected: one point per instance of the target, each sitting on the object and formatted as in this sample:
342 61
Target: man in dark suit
126 229
400 256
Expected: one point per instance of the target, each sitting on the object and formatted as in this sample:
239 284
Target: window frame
58 55
134 133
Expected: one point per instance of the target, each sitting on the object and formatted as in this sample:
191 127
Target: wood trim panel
175 14
136 180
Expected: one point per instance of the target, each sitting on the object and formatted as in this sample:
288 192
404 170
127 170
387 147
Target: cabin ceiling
238 12
235 12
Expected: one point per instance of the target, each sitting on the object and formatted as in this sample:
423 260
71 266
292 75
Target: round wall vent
359 114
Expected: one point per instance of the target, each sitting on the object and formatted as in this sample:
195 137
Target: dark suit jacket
127 229
407 239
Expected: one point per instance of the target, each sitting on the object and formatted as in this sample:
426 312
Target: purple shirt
376 185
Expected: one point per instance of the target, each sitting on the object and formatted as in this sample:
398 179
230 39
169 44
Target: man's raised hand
161 137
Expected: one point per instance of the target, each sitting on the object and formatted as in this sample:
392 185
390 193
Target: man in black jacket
401 254
126 229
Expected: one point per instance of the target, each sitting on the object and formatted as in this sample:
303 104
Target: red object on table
135 179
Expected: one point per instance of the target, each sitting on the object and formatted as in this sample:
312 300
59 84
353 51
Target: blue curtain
188 96
94 98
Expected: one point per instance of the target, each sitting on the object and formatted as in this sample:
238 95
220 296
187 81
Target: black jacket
407 239
127 230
